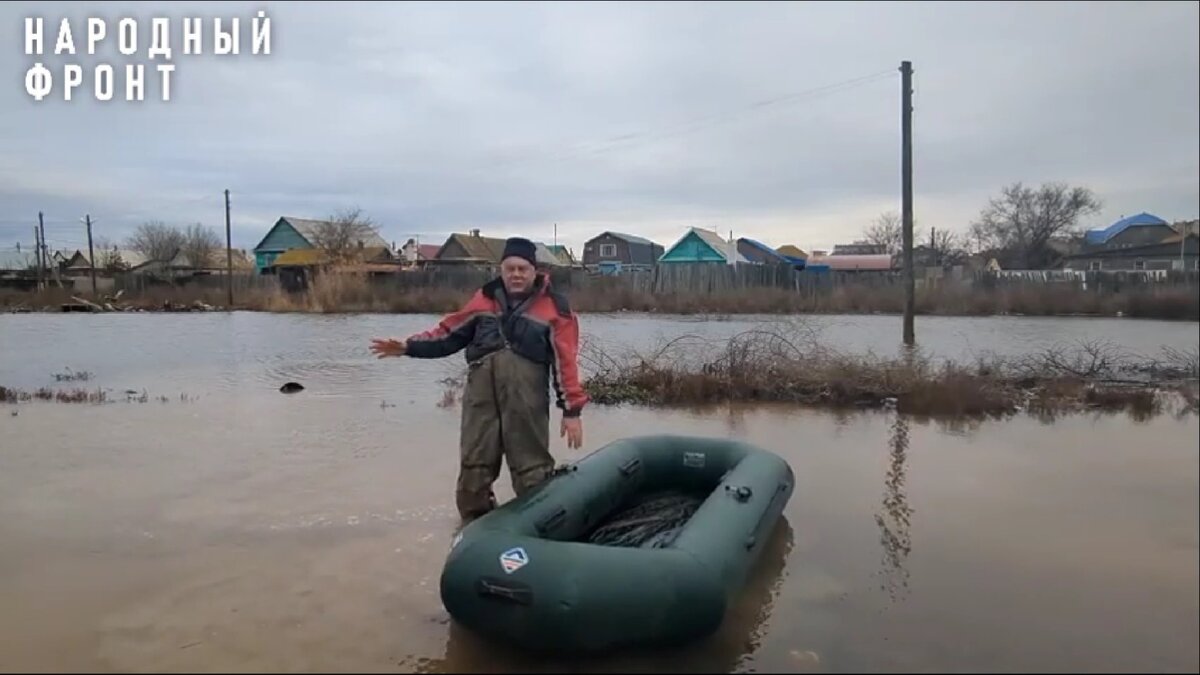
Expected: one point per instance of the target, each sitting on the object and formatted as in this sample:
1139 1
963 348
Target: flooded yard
221 525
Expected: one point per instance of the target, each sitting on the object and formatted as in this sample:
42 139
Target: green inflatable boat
642 543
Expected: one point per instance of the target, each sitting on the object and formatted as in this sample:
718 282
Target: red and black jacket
542 328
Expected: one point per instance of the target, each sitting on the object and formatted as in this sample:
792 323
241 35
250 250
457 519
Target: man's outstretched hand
572 428
386 348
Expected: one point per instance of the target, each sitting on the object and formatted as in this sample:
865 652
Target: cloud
639 117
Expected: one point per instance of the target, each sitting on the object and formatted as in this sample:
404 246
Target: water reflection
1065 545
895 515
747 620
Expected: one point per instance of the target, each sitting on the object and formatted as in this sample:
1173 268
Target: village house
759 253
18 268
476 249
564 255
1174 252
289 233
117 261
1136 243
1137 230
859 248
793 254
699 245
414 253
848 262
297 268
614 251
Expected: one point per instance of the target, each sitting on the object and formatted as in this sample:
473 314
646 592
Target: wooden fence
713 278
662 279
683 278
1097 281
132 282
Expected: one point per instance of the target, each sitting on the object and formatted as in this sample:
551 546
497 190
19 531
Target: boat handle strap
545 525
521 595
629 468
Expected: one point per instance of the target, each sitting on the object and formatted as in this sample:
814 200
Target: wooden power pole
91 254
37 248
228 254
44 256
907 200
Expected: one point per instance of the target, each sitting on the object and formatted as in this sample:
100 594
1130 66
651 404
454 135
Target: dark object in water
645 542
291 388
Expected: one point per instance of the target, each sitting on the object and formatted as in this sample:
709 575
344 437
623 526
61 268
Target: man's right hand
386 348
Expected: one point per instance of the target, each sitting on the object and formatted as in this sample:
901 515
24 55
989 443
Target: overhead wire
640 137
10 227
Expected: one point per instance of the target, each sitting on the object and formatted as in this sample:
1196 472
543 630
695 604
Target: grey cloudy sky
442 117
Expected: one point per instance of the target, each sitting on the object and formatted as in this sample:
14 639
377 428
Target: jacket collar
494 289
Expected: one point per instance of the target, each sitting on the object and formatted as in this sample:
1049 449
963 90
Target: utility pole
228 254
44 256
907 200
91 253
37 247
1183 237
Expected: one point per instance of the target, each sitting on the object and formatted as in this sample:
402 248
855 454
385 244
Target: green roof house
702 246
290 233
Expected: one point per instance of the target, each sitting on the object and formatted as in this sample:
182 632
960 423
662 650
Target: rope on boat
652 523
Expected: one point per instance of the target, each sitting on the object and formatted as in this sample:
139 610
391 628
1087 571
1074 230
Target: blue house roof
764 248
1103 234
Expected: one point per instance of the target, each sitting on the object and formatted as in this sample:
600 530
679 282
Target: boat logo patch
513 559
693 459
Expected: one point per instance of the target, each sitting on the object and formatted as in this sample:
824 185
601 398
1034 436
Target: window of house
608 250
1094 266
1139 264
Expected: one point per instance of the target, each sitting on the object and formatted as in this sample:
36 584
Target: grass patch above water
778 365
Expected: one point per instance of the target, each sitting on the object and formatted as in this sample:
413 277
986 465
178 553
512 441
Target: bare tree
342 236
200 245
888 231
107 255
156 240
948 248
1023 220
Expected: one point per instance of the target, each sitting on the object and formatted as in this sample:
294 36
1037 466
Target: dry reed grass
771 364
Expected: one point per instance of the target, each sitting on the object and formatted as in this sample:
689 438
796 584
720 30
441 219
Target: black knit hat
521 248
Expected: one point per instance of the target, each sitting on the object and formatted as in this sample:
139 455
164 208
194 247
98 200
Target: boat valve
742 494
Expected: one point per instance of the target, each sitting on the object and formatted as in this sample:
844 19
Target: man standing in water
518 335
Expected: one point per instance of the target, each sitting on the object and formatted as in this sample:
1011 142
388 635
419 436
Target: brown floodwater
247 530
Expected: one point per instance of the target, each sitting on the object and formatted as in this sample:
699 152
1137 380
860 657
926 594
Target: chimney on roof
475 232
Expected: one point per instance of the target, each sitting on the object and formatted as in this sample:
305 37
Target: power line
587 148
629 140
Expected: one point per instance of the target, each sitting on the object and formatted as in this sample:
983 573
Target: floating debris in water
291 387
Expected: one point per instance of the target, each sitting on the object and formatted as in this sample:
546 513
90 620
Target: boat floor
649 521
